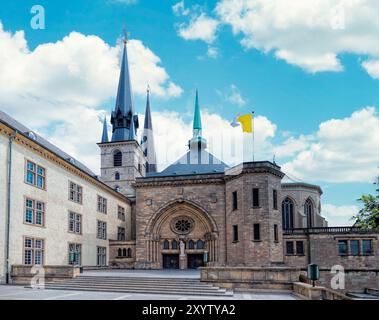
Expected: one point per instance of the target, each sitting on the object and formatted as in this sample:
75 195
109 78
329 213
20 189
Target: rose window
182 225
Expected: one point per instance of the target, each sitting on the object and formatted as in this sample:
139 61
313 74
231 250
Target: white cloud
232 95
235 96
343 150
213 52
291 146
339 215
372 67
58 88
307 33
200 27
179 9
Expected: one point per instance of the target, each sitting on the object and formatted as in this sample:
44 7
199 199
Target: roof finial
125 36
148 89
104 137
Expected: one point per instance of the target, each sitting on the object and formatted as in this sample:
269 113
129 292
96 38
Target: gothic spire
197 118
104 137
147 142
123 115
197 138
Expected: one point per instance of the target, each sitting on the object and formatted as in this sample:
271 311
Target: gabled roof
9 121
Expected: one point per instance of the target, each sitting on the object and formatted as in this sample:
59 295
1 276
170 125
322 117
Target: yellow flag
246 121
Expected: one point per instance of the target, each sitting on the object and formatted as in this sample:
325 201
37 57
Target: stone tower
122 158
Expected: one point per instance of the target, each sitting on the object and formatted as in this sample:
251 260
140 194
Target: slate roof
187 166
9 121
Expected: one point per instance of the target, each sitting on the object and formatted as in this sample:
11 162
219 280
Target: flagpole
253 137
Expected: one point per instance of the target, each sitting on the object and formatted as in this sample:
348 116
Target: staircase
143 285
368 294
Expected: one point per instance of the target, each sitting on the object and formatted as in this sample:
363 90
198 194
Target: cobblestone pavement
21 293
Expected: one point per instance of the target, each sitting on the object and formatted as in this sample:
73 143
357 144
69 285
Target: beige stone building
57 211
196 212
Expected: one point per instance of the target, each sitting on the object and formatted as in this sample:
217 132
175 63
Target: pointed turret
197 117
123 115
197 139
132 131
147 142
104 137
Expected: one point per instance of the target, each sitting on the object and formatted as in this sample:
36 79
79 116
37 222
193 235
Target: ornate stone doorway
170 261
181 235
195 260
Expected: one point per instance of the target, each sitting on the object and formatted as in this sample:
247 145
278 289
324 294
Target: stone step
171 291
138 283
164 287
101 285
176 280
145 285
149 280
372 291
361 296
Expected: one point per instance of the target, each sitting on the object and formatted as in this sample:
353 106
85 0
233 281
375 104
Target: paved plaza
13 292
22 293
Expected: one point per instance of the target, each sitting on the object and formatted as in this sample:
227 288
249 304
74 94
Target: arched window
174 245
191 244
166 245
117 176
287 213
119 252
308 211
199 244
129 253
117 158
124 252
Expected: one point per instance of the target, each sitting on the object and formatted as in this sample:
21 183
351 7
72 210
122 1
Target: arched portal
190 231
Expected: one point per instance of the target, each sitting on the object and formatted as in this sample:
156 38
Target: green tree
368 216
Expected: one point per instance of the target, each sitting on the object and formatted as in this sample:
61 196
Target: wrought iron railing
328 230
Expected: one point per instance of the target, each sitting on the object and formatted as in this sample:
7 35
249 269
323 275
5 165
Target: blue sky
286 74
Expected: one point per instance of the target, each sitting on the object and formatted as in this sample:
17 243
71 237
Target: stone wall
202 198
3 203
211 198
23 275
309 292
133 165
123 260
273 278
248 251
361 271
322 249
356 280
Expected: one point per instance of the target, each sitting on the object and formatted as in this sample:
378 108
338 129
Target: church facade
196 212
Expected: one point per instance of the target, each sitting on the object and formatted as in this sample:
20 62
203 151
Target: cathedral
197 212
